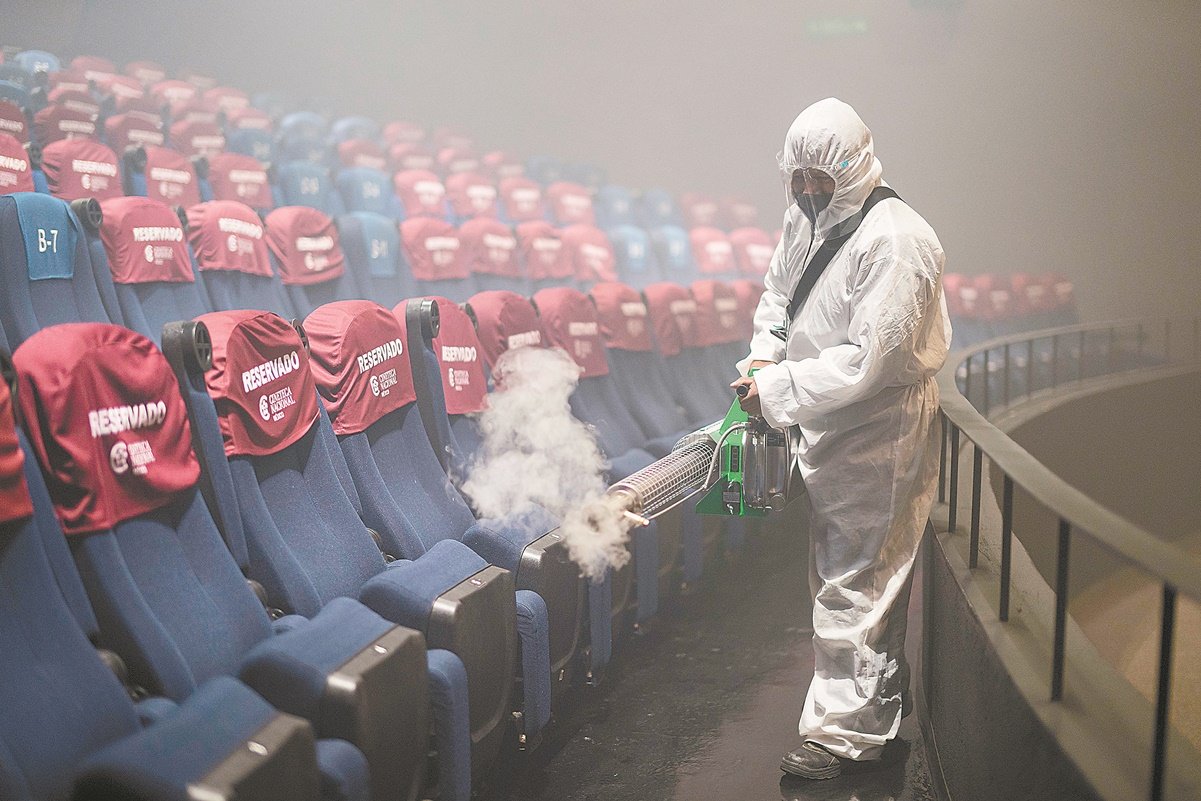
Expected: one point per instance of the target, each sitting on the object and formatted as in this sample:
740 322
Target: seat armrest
223 742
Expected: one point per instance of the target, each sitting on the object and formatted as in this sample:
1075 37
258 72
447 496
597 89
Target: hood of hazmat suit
854 385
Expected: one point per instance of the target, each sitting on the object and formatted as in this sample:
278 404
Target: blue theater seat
241 276
354 127
240 178
406 494
301 136
307 256
489 249
570 322
46 270
434 253
367 189
614 206
636 262
161 174
307 543
68 720
658 207
673 251
371 245
643 388
157 290
306 183
257 144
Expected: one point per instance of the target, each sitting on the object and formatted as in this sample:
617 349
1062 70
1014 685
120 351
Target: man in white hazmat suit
850 373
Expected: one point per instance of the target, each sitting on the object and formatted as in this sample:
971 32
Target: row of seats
995 305
251 353
268 487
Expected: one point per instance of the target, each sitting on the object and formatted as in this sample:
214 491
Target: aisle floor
703 706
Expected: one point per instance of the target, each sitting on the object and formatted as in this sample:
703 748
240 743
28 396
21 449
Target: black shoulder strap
817 265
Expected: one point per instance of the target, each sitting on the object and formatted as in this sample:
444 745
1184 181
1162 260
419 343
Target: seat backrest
748 291
471 195
229 243
305 183
80 168
130 130
379 425
12 121
58 121
354 127
588 175
147 72
672 311
570 322
305 249
521 200
737 212
302 136
367 189
405 156
545 170
197 137
489 249
143 244
504 320
699 210
371 244
544 261
434 254
421 193
633 366
501 164
461 371
360 152
35 61
636 264
570 204
61 703
590 254
614 206
164 175
753 250
452 160
713 253
658 207
256 143
673 251
717 315
306 542
402 131
111 433
15 172
46 272
241 178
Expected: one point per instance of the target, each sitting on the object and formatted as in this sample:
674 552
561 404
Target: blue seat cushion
290 669
406 591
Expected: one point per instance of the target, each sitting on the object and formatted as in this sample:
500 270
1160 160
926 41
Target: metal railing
999 372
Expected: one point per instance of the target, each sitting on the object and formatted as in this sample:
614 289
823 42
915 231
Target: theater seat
68 718
589 253
240 178
307 543
46 271
673 251
80 168
371 244
367 189
544 261
305 183
433 251
570 322
489 251
407 496
636 263
161 174
307 255
230 248
142 244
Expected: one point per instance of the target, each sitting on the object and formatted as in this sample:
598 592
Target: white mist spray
535 452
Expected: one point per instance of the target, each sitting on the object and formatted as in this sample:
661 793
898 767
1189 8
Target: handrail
1177 570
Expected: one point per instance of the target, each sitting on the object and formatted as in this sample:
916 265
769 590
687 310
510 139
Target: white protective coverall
855 385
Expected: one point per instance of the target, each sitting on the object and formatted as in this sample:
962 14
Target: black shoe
811 761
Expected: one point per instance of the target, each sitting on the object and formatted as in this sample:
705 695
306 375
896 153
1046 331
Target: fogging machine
742 463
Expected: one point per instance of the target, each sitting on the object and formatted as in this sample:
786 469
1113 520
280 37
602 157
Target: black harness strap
825 254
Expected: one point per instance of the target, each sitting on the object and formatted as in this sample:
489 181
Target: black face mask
813 205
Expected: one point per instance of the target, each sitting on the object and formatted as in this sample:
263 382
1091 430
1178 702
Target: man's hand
750 402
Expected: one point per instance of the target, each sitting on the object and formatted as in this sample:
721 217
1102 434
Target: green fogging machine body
742 464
